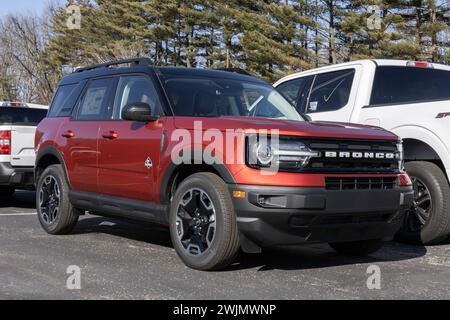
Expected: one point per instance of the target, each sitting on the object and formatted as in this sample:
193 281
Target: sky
24 6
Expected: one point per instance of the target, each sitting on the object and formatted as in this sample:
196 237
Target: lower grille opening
345 219
379 183
340 219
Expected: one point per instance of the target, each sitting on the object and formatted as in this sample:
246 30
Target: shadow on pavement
287 258
21 199
322 256
132 230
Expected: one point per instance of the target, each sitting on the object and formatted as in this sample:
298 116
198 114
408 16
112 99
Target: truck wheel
428 221
203 224
56 214
358 248
6 192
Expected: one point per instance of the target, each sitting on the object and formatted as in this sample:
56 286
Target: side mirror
307 117
138 111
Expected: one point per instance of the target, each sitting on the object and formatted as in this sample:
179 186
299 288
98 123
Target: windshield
220 97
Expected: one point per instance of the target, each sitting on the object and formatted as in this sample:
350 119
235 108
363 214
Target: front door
129 151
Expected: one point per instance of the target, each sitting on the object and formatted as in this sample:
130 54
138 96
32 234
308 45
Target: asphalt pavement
124 260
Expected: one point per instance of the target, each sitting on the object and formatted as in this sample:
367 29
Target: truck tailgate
22 146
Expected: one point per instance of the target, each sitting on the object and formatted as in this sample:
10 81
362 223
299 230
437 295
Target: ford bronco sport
115 134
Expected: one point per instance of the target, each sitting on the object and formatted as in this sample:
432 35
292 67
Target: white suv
18 124
412 99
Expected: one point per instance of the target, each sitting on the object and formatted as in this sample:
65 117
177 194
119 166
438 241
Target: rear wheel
56 214
428 220
7 192
203 223
358 248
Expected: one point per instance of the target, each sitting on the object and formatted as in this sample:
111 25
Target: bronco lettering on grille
362 155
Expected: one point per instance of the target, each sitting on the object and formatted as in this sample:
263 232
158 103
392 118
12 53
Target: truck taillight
5 142
404 180
17 104
420 64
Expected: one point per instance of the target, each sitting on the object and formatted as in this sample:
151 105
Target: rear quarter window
21 116
64 100
402 85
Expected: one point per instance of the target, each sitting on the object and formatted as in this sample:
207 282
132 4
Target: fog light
239 194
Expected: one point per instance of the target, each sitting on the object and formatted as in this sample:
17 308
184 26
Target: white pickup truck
18 124
411 99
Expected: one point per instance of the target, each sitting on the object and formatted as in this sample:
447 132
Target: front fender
427 136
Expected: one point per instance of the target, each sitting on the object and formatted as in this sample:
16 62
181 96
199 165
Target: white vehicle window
291 89
398 85
331 91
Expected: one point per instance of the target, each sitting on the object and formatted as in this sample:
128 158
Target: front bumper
19 177
271 216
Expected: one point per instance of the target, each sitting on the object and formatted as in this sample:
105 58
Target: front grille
379 183
325 164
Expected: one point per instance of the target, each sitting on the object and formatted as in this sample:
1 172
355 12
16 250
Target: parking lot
120 260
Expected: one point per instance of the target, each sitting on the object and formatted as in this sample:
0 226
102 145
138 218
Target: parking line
17 214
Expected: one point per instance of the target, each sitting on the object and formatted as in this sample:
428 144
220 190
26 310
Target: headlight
278 153
264 154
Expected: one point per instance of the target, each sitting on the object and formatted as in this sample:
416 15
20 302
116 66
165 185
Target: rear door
23 123
80 134
410 96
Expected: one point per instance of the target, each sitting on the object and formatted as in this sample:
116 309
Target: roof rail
235 70
134 62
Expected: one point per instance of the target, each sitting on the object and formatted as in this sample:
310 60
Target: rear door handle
68 134
111 135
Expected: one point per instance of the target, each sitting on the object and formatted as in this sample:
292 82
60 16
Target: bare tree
23 42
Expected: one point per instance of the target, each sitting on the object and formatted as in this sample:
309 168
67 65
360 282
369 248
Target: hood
288 127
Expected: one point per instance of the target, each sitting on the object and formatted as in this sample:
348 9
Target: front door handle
68 134
111 135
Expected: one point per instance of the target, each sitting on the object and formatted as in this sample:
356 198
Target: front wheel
358 248
428 220
203 224
56 214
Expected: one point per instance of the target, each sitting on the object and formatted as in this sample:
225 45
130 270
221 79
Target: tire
437 222
6 192
204 243
358 248
63 219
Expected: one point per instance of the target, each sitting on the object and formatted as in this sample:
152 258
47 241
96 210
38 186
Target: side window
96 103
331 91
133 89
291 89
64 100
402 85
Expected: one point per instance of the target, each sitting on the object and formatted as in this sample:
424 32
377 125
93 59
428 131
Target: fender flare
50 150
426 136
221 169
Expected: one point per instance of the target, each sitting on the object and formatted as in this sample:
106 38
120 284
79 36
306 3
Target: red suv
219 157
